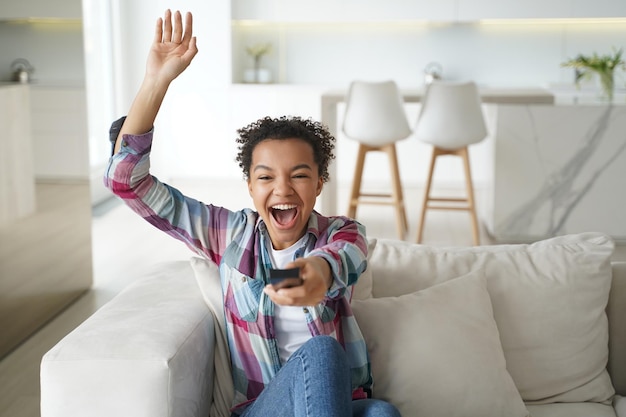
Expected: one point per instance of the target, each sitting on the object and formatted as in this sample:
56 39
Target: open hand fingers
173 48
188 27
172 30
158 31
177 30
167 30
293 296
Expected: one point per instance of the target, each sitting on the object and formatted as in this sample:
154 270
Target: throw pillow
437 352
549 301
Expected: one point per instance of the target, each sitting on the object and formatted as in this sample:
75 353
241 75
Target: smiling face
284 183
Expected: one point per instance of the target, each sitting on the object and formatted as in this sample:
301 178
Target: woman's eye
301 176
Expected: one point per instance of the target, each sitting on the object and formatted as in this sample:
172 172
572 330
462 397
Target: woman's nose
283 187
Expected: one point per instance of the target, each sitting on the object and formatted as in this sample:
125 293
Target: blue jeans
315 381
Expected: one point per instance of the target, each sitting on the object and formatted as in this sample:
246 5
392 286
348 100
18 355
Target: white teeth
284 206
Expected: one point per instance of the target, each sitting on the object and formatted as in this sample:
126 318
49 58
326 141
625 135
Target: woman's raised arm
172 50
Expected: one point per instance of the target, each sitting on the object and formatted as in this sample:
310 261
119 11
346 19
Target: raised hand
172 50
173 47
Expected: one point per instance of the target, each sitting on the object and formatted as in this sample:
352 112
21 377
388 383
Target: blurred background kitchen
98 49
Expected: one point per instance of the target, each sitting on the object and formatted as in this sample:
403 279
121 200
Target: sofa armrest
616 311
147 352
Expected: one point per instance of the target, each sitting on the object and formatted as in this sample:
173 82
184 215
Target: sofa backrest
549 300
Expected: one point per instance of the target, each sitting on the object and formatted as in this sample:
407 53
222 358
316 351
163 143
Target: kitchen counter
587 94
46 84
489 95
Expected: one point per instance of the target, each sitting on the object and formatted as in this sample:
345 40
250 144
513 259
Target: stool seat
450 120
375 117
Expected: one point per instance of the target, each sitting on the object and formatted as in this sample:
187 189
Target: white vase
259 76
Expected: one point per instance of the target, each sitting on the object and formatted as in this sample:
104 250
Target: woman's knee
324 345
324 352
374 408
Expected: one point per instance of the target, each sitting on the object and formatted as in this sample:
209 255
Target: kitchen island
555 170
549 166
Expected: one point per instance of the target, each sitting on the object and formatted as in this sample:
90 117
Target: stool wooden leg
429 180
470 195
397 195
356 182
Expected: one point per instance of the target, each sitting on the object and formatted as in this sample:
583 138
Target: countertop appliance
22 70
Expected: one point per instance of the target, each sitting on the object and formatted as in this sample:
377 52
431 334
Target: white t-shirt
289 321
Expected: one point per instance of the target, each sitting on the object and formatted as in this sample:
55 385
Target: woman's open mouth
284 215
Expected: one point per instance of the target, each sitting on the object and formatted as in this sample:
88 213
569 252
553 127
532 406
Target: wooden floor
123 246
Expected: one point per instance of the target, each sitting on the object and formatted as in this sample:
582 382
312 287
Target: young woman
295 351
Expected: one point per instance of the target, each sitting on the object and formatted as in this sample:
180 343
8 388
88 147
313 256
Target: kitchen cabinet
440 11
472 10
598 8
342 10
24 9
59 121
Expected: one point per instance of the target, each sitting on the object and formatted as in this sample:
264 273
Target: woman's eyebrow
302 166
258 167
295 168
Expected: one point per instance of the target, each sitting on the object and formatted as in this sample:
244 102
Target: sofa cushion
549 302
437 352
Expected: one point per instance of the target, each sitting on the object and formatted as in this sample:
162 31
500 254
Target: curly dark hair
286 127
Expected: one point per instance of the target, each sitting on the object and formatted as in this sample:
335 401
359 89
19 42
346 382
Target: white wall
197 124
123 31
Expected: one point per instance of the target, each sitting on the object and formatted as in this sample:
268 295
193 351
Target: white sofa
505 330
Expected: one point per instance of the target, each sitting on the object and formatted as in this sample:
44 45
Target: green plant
257 51
602 65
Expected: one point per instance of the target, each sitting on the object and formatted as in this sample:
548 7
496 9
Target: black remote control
285 278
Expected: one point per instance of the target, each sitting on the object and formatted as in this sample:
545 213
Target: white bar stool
375 117
450 119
